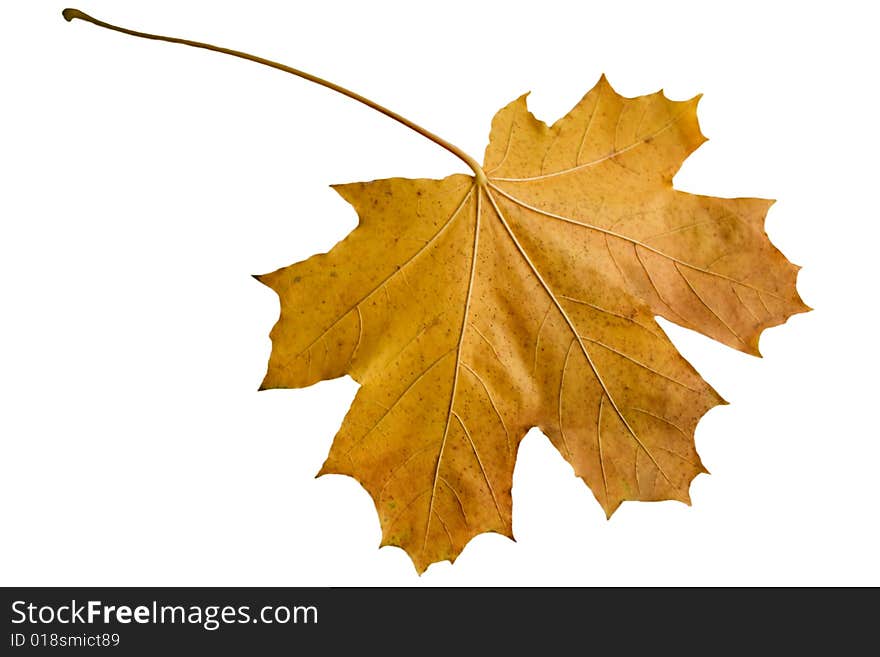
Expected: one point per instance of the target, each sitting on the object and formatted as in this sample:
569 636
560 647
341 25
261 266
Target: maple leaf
472 311
473 308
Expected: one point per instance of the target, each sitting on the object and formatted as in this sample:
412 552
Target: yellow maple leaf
473 308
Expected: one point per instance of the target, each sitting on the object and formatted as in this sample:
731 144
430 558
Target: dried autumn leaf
470 311
473 308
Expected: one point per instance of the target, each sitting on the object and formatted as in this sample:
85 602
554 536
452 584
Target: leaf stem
70 14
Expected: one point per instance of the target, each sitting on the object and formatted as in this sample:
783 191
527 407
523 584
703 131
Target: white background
142 184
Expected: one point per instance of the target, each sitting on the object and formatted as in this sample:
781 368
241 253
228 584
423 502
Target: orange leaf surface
473 308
